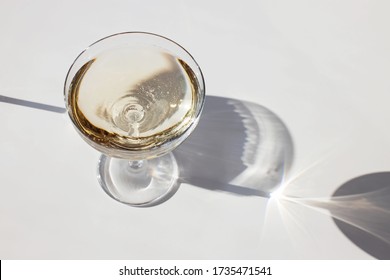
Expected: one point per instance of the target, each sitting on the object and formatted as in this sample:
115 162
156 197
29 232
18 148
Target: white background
321 66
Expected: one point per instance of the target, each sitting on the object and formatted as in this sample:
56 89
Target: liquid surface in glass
133 98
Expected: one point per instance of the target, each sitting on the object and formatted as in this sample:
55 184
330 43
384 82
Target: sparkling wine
133 99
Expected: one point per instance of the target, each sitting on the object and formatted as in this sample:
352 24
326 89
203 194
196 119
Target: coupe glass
134 97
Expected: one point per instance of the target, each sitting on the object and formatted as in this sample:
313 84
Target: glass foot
139 183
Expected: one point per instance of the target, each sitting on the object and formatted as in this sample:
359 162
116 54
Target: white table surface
322 67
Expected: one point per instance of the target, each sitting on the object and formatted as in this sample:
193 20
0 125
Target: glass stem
136 164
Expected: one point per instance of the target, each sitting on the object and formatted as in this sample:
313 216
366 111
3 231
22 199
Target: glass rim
141 33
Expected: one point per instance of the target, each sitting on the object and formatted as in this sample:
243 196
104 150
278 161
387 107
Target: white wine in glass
134 97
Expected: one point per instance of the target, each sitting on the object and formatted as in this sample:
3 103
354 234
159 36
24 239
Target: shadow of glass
361 210
30 104
238 147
